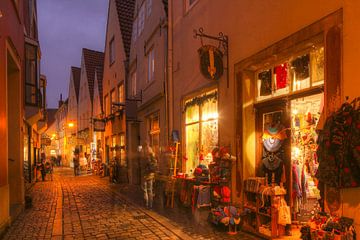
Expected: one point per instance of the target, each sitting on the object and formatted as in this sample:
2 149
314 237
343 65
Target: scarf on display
273 137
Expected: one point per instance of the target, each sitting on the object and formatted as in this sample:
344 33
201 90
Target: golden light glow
71 124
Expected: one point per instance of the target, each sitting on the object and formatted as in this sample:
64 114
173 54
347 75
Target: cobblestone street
88 207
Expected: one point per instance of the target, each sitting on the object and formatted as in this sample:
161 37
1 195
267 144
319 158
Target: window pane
209 110
317 66
264 84
30 94
300 72
192 114
192 147
121 93
209 139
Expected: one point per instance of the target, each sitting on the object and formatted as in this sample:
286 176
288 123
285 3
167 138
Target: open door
273 143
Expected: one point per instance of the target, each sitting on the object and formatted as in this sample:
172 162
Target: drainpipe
170 85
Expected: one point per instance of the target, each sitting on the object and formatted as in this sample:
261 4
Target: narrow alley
88 207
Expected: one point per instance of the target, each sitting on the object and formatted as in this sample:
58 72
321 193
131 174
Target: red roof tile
75 71
125 10
92 60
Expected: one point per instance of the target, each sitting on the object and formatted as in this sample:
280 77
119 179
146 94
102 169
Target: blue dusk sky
65 27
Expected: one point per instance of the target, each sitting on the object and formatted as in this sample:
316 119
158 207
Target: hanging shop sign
99 125
211 63
46 141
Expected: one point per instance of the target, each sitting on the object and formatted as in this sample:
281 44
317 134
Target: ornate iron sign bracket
223 44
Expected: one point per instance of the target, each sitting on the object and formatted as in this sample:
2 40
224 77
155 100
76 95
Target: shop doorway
273 145
305 115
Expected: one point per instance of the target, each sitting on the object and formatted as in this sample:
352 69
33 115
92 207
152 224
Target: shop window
154 133
151 65
31 75
201 129
122 149
113 146
112 51
299 72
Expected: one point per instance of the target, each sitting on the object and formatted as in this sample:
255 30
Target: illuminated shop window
201 129
154 132
298 72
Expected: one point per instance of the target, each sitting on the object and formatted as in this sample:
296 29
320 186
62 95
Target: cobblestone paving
88 207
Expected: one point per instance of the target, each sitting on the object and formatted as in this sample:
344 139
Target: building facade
22 104
90 61
117 50
72 109
291 71
147 79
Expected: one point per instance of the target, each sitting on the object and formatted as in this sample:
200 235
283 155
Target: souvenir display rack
223 210
261 203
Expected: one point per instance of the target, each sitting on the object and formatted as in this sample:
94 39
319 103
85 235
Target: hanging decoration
201 99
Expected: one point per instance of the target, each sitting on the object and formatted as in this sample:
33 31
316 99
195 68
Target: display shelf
254 202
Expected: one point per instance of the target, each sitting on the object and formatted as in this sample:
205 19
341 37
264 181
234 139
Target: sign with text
99 125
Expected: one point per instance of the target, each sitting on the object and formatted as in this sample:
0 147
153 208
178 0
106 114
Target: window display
305 113
298 72
201 129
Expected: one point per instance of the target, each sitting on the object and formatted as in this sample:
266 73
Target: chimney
60 101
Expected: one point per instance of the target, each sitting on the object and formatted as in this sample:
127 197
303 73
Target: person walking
42 170
49 169
150 167
76 161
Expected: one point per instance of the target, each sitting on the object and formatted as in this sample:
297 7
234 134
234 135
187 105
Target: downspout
165 25
170 87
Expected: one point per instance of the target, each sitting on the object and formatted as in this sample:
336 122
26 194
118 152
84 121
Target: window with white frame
121 93
141 19
112 51
151 65
133 84
148 8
